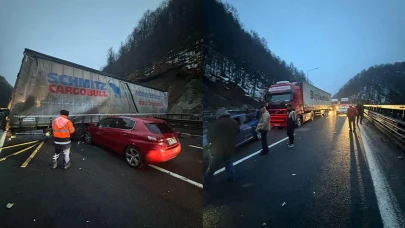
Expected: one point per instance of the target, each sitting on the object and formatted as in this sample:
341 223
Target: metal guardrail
390 125
394 111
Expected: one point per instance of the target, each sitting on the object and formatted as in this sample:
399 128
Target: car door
99 134
241 136
119 134
245 128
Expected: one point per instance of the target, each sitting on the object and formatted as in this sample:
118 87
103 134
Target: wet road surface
324 181
99 189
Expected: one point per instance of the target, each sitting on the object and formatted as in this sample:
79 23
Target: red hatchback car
141 140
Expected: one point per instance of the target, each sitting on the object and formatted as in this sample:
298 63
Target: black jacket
222 135
360 109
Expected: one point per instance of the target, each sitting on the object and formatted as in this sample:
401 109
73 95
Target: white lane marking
249 156
387 204
178 176
2 138
198 147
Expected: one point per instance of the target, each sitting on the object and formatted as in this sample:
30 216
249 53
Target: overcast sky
79 31
340 37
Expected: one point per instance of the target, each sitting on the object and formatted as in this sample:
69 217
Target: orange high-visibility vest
62 128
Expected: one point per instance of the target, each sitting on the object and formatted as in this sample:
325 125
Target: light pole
309 71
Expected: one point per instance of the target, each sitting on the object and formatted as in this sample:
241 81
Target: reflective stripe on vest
62 143
62 131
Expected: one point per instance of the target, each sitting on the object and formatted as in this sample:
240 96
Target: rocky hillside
5 92
164 52
379 84
238 65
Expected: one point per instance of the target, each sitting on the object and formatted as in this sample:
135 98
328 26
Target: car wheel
257 135
87 138
133 157
80 130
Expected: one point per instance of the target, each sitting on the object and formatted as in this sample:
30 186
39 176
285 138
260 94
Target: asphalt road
324 181
99 189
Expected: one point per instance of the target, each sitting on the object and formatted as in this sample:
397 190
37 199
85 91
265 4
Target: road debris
264 224
10 205
294 174
84 159
283 204
314 192
401 157
34 220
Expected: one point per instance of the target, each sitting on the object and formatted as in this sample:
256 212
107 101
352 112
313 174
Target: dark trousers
265 145
352 121
290 133
214 163
360 117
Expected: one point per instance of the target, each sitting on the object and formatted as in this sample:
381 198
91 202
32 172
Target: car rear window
159 128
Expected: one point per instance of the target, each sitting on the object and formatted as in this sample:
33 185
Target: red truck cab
307 101
277 98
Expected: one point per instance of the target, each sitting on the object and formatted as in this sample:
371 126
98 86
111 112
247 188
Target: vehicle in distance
45 85
247 125
140 140
343 106
335 104
306 99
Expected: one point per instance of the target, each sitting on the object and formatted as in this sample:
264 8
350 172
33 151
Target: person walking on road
222 138
351 115
263 127
360 113
292 118
62 127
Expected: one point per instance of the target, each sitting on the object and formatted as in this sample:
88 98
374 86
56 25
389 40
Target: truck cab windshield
278 98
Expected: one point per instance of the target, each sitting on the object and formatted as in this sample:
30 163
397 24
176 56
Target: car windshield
278 98
159 128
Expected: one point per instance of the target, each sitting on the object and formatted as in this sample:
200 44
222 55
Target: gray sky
340 37
79 31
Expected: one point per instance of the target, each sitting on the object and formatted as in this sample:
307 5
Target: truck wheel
299 121
80 130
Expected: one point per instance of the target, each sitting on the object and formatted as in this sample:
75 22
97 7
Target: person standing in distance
62 127
222 137
351 115
360 113
263 127
292 118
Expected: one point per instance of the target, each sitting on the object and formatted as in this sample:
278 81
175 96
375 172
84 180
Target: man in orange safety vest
62 127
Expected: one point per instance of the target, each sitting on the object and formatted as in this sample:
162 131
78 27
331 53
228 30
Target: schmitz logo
65 84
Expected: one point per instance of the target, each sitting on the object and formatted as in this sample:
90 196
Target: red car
141 140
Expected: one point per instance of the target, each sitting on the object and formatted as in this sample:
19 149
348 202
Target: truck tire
299 121
80 130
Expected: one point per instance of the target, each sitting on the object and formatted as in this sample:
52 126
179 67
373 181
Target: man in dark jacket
222 137
360 113
351 115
